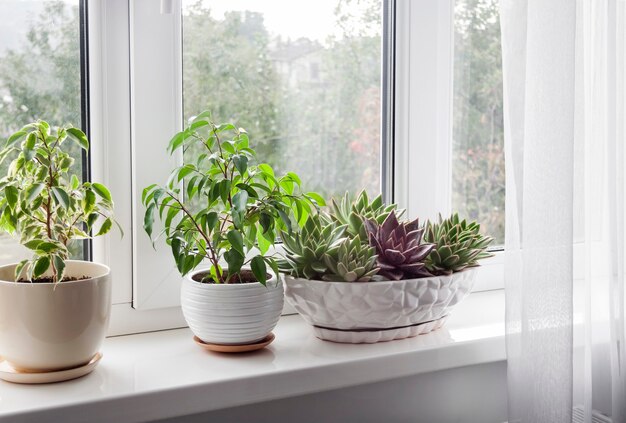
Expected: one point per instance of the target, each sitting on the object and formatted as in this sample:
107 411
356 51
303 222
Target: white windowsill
164 374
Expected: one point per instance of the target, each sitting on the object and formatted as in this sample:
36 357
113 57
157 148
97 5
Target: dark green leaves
259 269
61 197
220 204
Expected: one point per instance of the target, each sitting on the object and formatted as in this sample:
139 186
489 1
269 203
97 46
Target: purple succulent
401 253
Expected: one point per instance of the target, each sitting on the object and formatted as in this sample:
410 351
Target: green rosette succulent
353 261
307 251
458 245
353 214
401 252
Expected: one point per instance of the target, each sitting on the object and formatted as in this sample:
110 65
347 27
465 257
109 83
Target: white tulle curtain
565 121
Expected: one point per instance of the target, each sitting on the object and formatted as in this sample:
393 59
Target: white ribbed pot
366 312
231 314
47 327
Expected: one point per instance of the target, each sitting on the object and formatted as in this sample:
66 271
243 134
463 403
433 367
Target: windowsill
164 374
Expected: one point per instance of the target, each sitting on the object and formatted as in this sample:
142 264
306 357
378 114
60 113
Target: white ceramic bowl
231 314
377 305
44 326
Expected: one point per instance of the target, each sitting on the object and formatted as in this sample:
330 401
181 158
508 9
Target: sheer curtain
565 119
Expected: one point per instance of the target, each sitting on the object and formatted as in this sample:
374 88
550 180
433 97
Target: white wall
473 394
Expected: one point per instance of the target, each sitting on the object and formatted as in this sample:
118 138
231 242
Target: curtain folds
564 94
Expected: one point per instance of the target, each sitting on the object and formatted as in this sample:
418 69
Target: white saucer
9 374
371 336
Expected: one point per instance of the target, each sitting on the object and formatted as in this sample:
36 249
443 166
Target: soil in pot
245 276
48 279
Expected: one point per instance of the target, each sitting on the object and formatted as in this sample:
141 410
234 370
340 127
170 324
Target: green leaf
318 198
29 146
259 269
59 264
285 219
265 168
89 201
46 247
266 221
240 201
102 191
74 182
79 137
234 260
251 191
241 163
19 268
33 191
41 265
33 244
106 226
262 242
146 191
61 197
236 241
148 219
176 141
11 194
16 137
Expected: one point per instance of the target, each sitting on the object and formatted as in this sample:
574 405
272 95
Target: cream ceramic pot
231 314
44 326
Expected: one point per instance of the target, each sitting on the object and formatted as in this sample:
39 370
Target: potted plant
54 311
361 274
225 211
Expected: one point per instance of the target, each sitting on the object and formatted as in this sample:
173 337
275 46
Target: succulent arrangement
322 251
458 244
44 203
401 253
354 213
363 240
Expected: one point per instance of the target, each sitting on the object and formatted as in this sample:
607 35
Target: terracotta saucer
9 374
235 348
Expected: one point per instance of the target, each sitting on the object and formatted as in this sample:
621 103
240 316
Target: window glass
478 182
40 78
303 78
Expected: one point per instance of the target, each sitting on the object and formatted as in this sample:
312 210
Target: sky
289 18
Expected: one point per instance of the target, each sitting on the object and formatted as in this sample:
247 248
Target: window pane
39 78
307 88
478 135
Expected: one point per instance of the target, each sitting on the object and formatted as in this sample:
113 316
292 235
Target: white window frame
134 47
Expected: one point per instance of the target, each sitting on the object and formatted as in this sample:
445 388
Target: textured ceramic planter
231 314
377 311
46 327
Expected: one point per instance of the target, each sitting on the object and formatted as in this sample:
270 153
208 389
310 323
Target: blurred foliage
312 106
478 178
40 79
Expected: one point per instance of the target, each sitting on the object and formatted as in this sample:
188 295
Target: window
478 133
312 91
307 88
41 78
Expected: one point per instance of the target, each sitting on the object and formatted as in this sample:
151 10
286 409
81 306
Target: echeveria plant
354 213
222 204
44 203
401 252
458 245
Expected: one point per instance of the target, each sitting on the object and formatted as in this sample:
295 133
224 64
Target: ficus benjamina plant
222 204
44 203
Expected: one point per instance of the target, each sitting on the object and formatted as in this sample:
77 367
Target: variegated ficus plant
363 240
44 203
